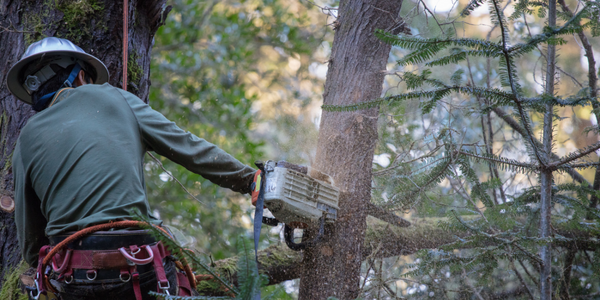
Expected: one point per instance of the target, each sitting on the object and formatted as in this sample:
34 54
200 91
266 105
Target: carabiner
37 288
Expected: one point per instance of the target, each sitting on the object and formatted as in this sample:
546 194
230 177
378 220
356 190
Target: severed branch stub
7 204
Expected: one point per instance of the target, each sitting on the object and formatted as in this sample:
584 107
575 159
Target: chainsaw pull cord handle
258 214
288 234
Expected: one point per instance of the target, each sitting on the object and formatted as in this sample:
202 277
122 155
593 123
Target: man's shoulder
97 89
107 90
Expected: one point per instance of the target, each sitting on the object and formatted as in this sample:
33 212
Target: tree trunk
546 177
346 144
95 26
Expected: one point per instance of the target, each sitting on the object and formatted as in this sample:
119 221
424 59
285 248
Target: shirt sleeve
30 221
195 154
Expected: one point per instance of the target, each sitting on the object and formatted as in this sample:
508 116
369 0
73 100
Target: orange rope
125 41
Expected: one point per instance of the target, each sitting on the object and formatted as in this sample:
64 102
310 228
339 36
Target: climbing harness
67 263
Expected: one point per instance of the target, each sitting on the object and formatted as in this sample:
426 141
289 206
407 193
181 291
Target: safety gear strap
42 102
259 188
135 280
33 82
255 186
161 276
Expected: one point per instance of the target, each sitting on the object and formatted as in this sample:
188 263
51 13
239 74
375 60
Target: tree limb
280 263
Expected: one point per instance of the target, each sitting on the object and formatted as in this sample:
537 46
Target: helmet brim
15 78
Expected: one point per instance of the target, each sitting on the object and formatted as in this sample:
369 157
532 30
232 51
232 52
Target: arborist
79 162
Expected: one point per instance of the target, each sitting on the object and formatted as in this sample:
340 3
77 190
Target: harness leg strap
161 277
135 280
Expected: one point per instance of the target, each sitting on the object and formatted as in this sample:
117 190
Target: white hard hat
46 51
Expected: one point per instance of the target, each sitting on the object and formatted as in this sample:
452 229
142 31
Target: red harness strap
135 255
93 260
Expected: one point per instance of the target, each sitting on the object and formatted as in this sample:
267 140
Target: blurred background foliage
409 150
248 76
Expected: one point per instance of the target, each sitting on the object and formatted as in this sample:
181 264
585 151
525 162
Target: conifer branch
592 83
513 85
515 126
570 27
501 160
571 101
579 166
473 4
574 155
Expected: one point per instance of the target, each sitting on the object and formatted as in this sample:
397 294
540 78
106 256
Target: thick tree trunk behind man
347 141
95 26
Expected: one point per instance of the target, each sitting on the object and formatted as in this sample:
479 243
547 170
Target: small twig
468 282
4 29
512 265
432 15
527 272
566 276
171 175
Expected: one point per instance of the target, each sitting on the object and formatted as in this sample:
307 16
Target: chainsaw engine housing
297 199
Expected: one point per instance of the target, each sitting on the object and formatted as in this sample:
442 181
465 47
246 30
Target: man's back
83 158
80 162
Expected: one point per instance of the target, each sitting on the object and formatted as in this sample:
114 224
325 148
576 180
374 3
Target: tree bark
95 26
346 143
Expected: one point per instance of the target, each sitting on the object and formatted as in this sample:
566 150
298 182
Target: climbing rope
125 41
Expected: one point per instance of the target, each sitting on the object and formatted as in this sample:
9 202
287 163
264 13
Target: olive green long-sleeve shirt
80 162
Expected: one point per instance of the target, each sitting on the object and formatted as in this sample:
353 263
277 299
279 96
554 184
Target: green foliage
461 128
180 253
212 64
205 61
473 4
10 287
249 281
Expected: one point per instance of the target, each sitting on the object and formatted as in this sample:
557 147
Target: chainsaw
297 196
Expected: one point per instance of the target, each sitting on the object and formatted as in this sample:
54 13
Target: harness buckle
134 250
68 279
67 83
87 275
137 261
164 288
125 280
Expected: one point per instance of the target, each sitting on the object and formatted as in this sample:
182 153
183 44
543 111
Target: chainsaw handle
270 221
288 234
